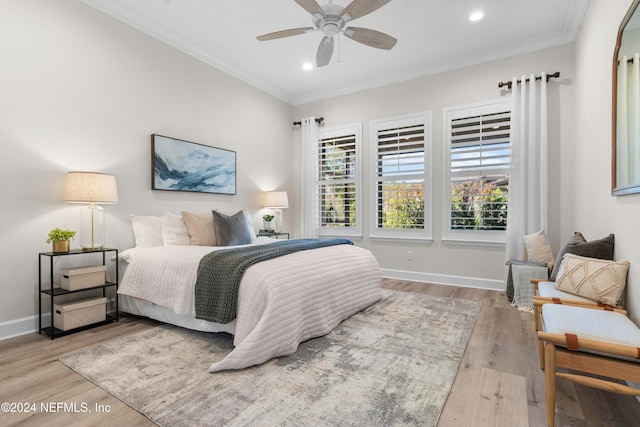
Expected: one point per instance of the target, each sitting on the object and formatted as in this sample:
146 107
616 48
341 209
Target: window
401 190
478 158
339 181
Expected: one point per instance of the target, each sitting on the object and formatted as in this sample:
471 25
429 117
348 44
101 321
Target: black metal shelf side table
53 292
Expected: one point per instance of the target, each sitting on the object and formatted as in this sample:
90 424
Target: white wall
597 212
81 91
439 261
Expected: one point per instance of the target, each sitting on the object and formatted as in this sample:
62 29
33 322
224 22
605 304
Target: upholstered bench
545 292
588 340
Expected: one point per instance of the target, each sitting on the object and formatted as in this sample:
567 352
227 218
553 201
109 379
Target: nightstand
273 234
54 292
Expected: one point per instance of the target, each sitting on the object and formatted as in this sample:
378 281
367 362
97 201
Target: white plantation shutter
479 157
401 188
339 181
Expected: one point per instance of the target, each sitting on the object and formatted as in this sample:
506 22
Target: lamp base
278 215
91 228
92 248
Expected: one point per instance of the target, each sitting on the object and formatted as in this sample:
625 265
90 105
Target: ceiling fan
332 19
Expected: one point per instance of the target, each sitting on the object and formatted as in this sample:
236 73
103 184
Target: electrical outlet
409 255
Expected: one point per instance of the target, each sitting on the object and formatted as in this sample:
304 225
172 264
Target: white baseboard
23 326
441 279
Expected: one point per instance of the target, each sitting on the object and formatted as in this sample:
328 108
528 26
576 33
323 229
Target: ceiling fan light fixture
307 66
331 20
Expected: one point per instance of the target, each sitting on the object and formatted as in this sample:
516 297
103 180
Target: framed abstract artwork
178 165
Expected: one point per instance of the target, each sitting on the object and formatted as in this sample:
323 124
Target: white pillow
538 249
174 230
599 280
249 220
147 230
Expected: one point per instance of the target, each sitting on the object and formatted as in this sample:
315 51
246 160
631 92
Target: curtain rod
318 120
509 84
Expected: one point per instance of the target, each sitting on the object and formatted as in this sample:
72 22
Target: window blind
480 157
400 176
337 181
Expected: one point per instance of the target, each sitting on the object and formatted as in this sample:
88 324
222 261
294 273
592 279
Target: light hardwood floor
498 384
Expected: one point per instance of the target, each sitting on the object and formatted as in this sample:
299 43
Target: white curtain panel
628 122
529 180
309 162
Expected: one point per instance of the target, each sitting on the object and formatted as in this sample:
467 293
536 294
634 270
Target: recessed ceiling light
476 16
307 66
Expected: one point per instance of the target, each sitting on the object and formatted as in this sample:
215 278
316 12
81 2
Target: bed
281 302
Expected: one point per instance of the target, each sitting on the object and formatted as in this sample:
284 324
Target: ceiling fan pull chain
338 37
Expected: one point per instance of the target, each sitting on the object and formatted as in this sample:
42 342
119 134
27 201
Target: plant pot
61 246
266 225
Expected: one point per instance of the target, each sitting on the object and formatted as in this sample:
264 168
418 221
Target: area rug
392 364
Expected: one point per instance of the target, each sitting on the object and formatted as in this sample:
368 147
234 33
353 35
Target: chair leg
537 314
550 382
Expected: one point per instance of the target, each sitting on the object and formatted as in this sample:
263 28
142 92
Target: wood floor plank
502 347
502 400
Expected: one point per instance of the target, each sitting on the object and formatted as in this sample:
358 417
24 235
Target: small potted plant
60 239
267 221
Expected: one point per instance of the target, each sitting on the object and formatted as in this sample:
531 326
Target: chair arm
539 301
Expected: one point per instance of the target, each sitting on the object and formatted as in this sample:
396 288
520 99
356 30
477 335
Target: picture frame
178 165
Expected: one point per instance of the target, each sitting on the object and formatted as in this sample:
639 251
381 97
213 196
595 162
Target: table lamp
276 200
91 188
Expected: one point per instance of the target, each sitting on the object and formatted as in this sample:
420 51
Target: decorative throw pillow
174 230
232 230
577 245
147 230
538 249
200 227
577 238
599 280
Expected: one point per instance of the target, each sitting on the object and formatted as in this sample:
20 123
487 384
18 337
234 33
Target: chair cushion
596 279
548 290
601 325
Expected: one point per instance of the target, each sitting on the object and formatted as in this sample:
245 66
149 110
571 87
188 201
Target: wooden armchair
588 341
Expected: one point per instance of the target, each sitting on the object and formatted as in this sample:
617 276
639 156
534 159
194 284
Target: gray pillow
577 245
231 230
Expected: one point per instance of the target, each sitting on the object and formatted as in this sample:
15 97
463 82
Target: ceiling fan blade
311 6
284 33
325 50
359 8
371 38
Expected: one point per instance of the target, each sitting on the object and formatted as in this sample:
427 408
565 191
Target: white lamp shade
91 187
275 199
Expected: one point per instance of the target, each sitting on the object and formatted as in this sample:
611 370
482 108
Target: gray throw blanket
220 273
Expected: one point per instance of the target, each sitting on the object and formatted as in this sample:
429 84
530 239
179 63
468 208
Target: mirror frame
634 188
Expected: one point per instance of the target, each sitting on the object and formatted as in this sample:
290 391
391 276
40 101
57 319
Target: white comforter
282 302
